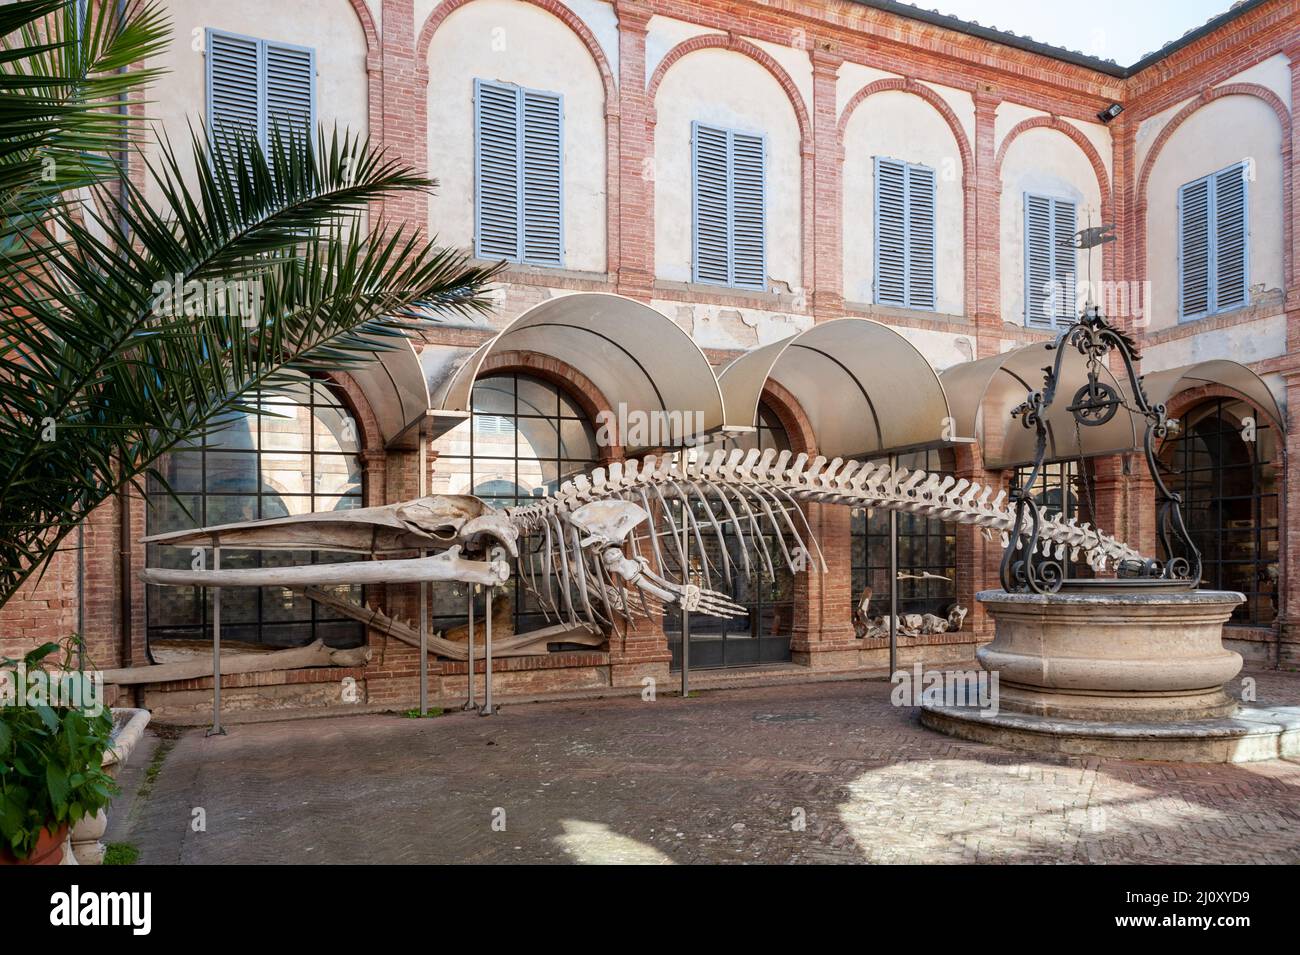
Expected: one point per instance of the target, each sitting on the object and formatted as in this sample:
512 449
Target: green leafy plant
51 757
99 376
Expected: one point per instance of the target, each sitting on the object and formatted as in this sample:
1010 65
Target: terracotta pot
48 851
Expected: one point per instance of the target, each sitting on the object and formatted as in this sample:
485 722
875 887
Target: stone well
1136 674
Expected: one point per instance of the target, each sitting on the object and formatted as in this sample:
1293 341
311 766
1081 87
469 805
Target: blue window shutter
497 149
1064 260
290 91
920 237
1039 308
234 86
710 205
543 179
1194 298
748 212
1230 267
891 231
1051 261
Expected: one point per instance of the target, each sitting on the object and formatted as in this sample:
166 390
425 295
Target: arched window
1221 462
299 456
764 635
926 545
524 435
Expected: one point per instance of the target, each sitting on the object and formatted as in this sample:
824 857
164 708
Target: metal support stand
424 586
215 729
487 655
893 577
686 614
469 700
424 646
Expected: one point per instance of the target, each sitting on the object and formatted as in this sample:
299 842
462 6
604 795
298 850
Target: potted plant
54 730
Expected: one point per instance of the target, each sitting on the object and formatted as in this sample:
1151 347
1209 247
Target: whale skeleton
632 538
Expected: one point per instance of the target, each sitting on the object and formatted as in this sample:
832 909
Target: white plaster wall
179 99
899 125
1046 162
539 51
941 349
714 326
730 90
1246 342
1218 134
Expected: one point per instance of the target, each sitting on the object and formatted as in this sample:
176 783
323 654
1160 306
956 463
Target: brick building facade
829 87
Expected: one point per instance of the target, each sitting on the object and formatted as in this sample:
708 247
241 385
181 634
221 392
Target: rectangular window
1050 261
255 86
728 208
1212 263
518 174
905 234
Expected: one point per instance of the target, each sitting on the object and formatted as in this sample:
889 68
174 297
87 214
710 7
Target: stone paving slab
723 777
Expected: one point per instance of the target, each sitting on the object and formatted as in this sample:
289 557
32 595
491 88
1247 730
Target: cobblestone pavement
724 777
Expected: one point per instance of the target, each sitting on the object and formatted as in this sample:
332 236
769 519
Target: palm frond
100 375
63 82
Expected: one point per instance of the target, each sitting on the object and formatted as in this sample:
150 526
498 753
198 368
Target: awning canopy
643 363
1161 386
394 387
865 388
984 392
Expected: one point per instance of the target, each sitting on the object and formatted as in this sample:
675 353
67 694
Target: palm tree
100 375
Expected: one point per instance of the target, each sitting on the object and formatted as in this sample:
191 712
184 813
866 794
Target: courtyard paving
824 772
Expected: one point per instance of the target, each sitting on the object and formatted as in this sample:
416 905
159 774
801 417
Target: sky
1119 30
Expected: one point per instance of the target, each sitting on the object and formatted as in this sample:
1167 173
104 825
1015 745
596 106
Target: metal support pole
424 645
487 654
893 577
686 614
216 729
424 586
469 701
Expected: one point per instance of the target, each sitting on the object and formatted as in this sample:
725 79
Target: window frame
907 302
263 130
521 227
1212 244
731 282
1057 322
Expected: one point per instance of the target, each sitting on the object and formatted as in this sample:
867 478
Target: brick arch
905 84
1162 138
371 437
908 85
1189 398
1079 139
362 11
554 8
798 428
563 375
734 44
1089 151
575 23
